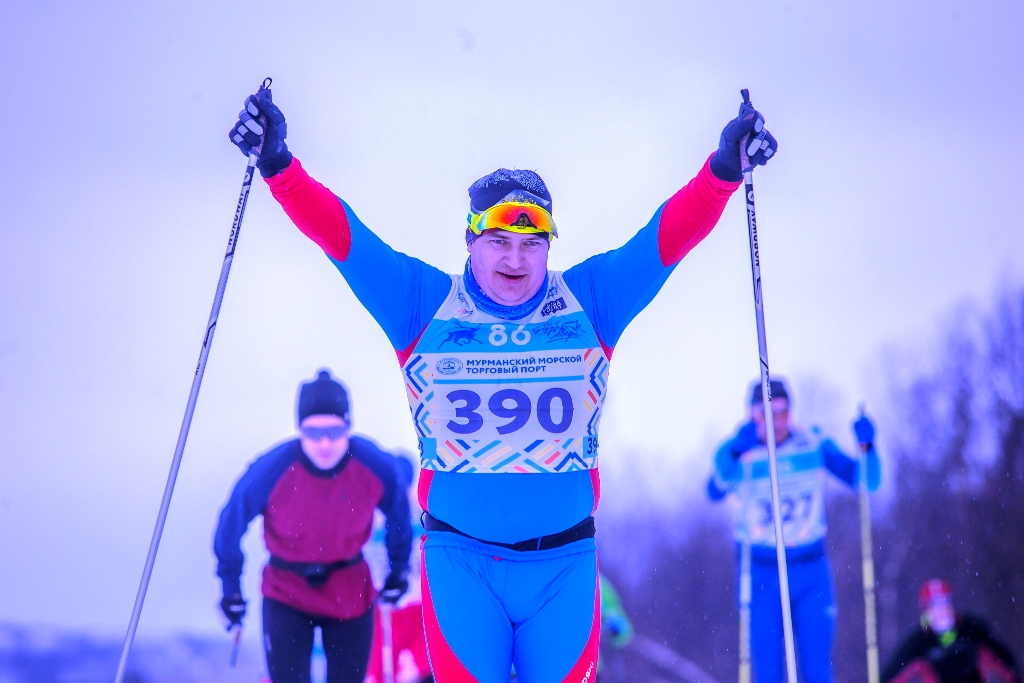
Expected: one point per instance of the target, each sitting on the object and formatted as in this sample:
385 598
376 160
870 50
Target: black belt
584 529
315 573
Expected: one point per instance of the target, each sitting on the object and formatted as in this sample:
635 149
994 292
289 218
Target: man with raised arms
506 369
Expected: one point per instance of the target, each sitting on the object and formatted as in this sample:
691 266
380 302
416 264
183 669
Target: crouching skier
317 494
506 368
741 468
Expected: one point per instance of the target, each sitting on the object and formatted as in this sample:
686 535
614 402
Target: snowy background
893 200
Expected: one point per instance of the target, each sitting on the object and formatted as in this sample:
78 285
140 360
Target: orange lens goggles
514 217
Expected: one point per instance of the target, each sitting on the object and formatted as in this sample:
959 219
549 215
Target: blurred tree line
952 507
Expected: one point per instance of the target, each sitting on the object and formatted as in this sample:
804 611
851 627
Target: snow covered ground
42 654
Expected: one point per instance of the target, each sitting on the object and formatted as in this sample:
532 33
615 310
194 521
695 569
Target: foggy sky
894 195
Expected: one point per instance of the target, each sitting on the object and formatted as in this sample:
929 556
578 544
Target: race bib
491 396
801 485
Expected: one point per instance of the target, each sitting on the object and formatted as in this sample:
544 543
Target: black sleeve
248 499
913 646
394 503
980 634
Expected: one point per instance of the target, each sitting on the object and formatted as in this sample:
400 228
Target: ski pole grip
758 142
265 85
744 156
749 149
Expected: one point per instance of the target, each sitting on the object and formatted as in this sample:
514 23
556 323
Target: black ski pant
288 642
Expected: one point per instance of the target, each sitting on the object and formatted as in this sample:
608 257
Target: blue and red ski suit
488 607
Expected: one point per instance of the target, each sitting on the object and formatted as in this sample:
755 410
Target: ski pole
190 406
744 612
745 590
387 645
867 565
762 348
236 642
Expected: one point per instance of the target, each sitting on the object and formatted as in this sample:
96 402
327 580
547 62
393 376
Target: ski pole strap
315 573
584 529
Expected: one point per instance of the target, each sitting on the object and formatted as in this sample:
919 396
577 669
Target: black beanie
323 396
778 389
495 187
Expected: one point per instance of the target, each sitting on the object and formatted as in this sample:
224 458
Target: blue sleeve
847 469
394 503
727 473
615 286
402 293
248 499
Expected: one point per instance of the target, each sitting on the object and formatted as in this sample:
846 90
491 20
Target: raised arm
727 468
615 286
847 468
400 292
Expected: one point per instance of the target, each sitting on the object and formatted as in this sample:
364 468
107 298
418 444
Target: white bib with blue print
801 483
489 395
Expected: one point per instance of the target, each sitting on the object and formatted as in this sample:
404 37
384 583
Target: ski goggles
515 217
317 433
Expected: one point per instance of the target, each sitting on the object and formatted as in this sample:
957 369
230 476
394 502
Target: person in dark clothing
949 647
317 494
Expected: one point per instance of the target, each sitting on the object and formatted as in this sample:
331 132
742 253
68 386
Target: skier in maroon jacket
317 494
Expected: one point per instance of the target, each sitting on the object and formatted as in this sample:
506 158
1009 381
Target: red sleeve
691 213
314 209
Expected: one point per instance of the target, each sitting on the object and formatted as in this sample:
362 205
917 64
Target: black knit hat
323 396
778 389
496 187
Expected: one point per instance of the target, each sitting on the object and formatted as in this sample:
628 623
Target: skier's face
940 615
324 440
509 266
780 411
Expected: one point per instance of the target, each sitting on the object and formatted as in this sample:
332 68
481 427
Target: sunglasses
515 217
317 433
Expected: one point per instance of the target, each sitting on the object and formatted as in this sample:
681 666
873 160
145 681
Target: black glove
261 122
726 164
395 587
233 607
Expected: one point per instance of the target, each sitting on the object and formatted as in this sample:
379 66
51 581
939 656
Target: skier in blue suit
741 469
505 366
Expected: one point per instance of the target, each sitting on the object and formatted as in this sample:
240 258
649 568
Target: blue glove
725 164
260 121
745 440
864 430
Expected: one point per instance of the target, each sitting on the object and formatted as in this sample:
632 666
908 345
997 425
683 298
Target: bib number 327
512 405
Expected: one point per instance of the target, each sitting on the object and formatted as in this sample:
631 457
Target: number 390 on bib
513 405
